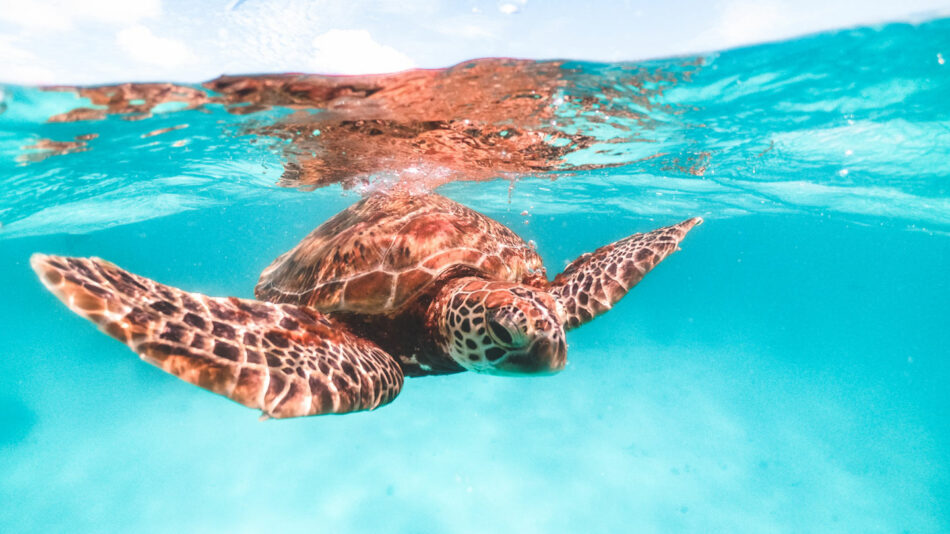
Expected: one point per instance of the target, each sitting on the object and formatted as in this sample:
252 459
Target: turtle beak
545 356
550 355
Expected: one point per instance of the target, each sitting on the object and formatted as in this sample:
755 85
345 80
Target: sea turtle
395 285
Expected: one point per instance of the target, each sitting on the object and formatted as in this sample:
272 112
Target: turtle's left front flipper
284 360
594 282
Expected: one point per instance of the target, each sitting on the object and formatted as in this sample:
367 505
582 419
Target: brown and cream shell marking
378 255
396 285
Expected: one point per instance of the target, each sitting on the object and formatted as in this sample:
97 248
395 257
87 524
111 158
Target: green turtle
395 285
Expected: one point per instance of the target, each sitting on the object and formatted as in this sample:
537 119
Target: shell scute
331 294
493 264
368 292
388 249
410 283
454 256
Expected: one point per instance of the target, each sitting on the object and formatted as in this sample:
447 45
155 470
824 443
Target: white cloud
467 31
35 15
66 14
145 47
11 53
269 37
355 52
748 22
118 11
21 66
508 8
27 74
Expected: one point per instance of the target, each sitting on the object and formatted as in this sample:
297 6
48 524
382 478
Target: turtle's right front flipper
594 282
285 360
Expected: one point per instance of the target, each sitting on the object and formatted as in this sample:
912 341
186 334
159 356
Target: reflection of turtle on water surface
395 285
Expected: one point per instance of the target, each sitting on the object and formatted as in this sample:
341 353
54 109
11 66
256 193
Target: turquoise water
787 371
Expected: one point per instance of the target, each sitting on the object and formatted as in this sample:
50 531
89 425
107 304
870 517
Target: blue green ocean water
787 371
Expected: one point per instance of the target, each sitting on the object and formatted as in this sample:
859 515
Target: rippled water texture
851 122
786 371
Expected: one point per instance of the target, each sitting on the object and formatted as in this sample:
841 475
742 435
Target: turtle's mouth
544 356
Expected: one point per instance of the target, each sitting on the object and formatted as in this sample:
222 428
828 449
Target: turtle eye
501 334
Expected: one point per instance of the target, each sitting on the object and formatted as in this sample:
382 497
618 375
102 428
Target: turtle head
500 327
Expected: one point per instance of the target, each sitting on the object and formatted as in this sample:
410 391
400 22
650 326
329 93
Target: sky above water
99 41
